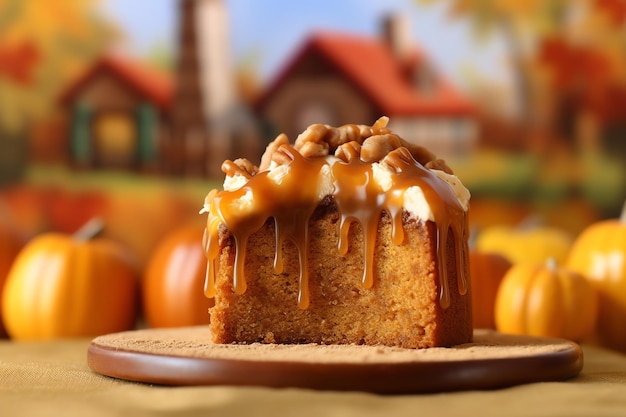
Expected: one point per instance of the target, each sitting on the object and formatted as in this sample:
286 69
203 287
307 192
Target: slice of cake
350 235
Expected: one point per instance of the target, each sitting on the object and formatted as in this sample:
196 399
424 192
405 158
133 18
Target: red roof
153 85
374 70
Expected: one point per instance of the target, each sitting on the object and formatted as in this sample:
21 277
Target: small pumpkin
11 242
599 253
173 287
486 272
521 244
546 300
69 286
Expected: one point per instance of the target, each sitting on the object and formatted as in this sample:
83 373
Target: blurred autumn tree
568 64
43 44
568 59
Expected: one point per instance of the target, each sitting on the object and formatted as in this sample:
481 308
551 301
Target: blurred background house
115 112
339 78
123 114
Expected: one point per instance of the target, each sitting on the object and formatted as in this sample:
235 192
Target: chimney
215 67
397 35
205 88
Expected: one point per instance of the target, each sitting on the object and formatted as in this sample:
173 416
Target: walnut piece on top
368 143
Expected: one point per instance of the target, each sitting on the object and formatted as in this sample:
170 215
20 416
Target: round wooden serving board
186 356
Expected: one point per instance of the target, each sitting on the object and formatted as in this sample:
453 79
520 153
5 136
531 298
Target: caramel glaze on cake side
333 216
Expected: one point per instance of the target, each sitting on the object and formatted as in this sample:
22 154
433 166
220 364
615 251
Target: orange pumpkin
486 272
545 300
65 286
173 287
599 253
10 245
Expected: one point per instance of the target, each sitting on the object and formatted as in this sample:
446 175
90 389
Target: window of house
116 137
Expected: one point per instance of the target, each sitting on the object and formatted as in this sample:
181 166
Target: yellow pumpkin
599 253
63 286
173 287
535 245
486 273
546 300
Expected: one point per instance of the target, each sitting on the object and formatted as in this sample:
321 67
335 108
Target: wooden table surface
52 378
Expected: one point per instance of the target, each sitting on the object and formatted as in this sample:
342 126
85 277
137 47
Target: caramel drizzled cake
349 235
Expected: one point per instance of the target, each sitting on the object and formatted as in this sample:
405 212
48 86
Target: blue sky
271 29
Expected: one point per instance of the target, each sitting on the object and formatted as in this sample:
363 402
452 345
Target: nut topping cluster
349 142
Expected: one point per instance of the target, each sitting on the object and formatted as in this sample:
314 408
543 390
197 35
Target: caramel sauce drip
359 198
448 213
291 202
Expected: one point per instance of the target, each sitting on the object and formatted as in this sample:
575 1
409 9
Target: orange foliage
17 62
43 45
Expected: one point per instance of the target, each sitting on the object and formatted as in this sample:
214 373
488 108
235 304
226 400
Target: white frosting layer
325 186
278 172
460 191
235 182
414 200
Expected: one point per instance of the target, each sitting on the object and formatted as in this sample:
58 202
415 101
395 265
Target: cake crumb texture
402 308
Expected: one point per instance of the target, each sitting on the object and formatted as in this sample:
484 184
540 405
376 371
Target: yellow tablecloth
53 379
